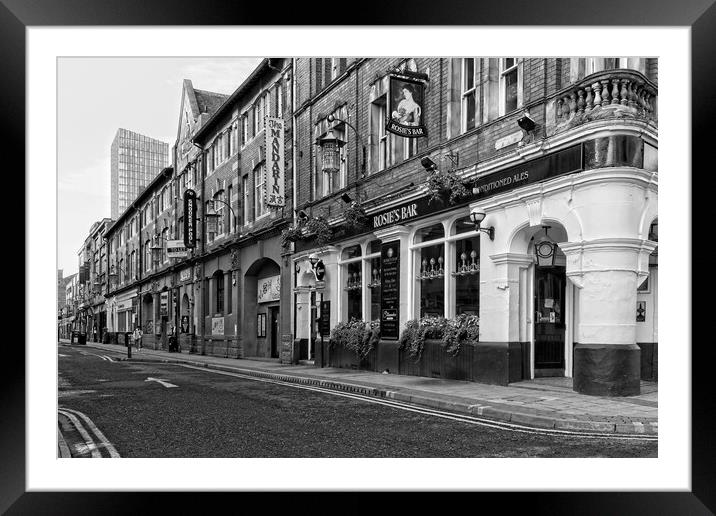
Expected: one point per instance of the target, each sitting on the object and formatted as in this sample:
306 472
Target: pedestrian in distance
137 338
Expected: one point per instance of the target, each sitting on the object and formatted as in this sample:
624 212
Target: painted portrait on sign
405 112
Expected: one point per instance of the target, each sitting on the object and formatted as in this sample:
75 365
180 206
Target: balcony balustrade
615 93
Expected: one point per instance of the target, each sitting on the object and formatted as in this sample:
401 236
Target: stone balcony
610 94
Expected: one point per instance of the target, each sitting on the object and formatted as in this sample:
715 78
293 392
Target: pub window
429 267
374 281
466 267
353 281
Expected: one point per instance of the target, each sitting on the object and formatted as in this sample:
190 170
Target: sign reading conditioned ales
405 107
556 164
390 290
274 170
190 219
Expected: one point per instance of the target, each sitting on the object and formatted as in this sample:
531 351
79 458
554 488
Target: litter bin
81 338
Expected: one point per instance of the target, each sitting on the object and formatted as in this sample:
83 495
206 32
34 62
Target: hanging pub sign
406 100
274 169
190 219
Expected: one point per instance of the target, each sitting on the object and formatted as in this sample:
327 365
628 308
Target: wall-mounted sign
217 325
324 326
269 289
176 249
390 290
556 164
261 325
190 219
184 324
320 270
406 102
274 170
185 274
164 303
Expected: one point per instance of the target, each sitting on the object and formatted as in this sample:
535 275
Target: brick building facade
559 156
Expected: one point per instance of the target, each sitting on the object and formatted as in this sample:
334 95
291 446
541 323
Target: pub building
551 240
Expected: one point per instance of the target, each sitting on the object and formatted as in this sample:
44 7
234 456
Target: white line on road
62 449
61 355
89 442
103 440
428 411
163 382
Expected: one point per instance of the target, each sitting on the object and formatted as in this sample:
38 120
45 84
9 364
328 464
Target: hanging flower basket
356 218
291 234
319 229
446 188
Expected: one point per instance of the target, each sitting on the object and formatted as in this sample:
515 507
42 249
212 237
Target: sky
97 96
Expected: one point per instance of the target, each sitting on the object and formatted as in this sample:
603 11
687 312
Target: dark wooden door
549 320
274 331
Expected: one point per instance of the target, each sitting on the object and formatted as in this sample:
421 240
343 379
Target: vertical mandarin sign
274 170
190 219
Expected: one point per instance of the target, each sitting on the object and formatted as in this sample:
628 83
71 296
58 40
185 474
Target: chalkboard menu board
390 290
324 325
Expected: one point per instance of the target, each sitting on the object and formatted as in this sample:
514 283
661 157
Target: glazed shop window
429 265
466 268
374 282
352 282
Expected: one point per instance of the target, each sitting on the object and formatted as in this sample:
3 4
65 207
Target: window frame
465 92
503 72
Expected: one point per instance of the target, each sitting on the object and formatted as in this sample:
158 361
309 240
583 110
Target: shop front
550 274
122 315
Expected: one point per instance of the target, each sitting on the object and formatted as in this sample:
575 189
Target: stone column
607 272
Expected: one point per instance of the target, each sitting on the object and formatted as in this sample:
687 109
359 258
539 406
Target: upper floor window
468 102
244 129
219 208
247 197
508 85
392 149
259 204
165 236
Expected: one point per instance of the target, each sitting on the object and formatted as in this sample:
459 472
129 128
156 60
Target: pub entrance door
549 327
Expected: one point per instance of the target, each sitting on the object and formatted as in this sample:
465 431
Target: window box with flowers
353 344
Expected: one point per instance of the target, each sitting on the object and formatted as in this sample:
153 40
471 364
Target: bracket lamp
477 215
313 258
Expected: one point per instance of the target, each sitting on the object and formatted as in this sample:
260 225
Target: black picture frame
261 326
700 15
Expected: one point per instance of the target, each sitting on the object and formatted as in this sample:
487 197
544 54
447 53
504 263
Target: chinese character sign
274 180
269 289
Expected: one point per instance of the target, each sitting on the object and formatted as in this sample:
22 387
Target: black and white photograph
517 229
365 271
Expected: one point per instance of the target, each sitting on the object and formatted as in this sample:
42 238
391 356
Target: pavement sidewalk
547 403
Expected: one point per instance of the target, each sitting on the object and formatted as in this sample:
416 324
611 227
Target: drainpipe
295 196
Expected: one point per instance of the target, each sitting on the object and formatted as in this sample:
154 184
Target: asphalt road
209 414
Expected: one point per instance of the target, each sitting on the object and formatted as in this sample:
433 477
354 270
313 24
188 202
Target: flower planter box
346 359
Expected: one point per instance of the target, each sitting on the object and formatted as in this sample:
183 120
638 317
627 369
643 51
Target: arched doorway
261 317
549 303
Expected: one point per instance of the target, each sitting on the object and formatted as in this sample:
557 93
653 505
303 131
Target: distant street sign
176 249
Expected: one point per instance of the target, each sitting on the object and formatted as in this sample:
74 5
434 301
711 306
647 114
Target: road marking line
428 411
62 448
163 382
105 442
61 355
88 440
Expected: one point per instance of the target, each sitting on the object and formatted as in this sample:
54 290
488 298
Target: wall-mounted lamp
313 258
477 215
428 164
302 215
526 122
